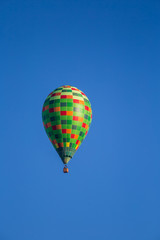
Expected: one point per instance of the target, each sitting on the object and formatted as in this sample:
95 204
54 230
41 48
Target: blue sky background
111 51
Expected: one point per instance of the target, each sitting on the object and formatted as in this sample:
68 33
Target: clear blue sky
111 51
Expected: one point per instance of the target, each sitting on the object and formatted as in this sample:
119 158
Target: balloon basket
65 169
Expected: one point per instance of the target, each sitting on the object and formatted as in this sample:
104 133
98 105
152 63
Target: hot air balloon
66 116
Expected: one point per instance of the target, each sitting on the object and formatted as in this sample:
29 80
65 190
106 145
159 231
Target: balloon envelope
67 116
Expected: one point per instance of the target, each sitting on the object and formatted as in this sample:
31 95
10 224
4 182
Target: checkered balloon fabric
67 116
